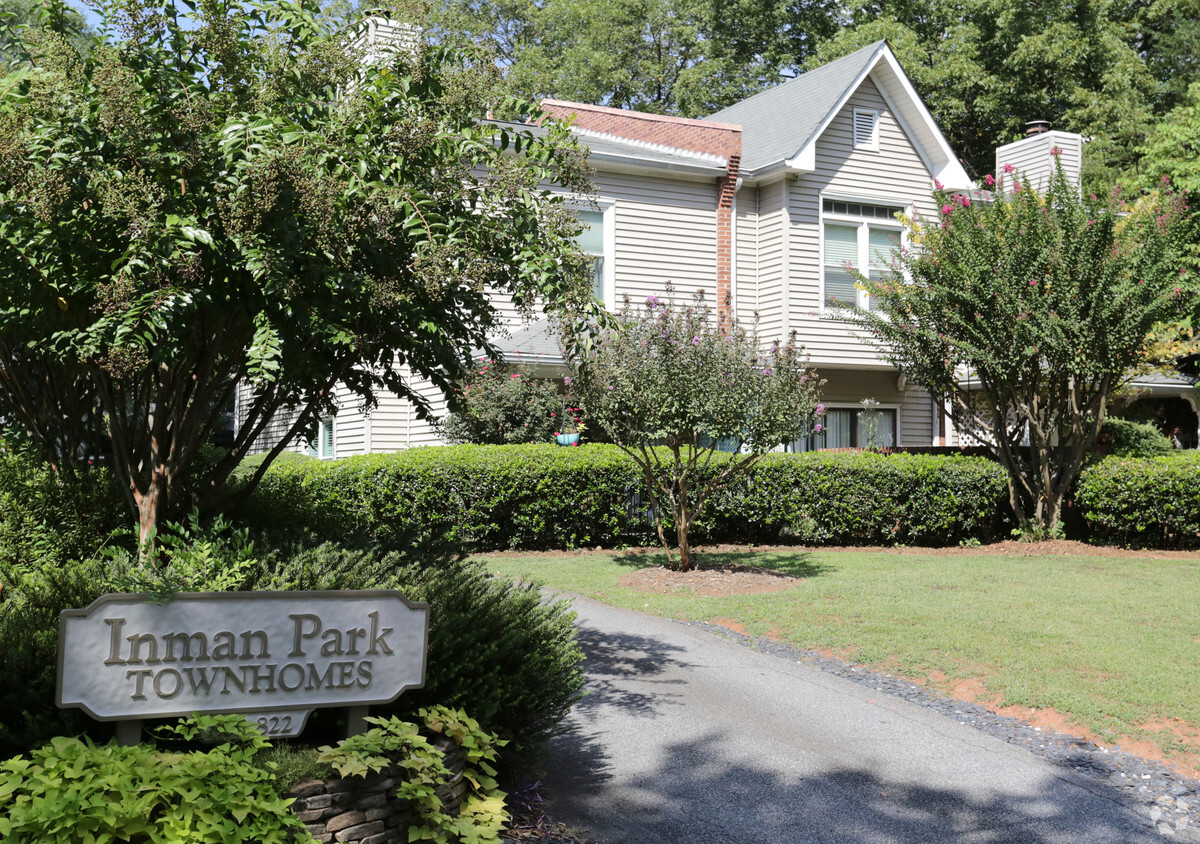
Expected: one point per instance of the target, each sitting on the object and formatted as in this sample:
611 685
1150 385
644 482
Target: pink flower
989 180
1032 283
820 410
1008 168
938 185
946 209
514 375
818 428
695 341
1055 150
652 302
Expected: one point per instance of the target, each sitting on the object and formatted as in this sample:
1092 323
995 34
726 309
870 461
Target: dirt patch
1008 548
974 690
709 581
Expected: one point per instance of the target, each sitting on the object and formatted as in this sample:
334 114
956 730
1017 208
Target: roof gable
781 125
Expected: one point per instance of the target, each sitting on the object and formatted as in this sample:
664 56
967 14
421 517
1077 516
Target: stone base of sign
366 810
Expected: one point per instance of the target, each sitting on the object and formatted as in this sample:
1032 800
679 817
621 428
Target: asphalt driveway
688 738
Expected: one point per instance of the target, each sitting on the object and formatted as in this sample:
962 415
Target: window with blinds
865 245
591 241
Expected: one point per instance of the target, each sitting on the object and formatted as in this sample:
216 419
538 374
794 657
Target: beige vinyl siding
772 226
745 272
1033 159
349 425
666 231
895 174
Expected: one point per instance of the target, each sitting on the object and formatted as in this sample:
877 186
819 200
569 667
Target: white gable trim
918 124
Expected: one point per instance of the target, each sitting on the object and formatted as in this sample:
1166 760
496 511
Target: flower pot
567 439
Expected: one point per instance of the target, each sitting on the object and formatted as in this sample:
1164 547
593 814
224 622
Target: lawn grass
1112 643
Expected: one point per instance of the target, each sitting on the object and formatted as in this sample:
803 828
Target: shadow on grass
783 563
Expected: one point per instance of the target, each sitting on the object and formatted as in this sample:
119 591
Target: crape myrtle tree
224 193
672 387
1025 314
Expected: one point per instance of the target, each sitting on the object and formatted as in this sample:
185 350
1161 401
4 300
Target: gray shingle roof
779 121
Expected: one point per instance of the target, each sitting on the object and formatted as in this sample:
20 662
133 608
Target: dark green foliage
1134 439
46 526
496 648
490 498
499 405
478 497
1151 501
867 499
71 791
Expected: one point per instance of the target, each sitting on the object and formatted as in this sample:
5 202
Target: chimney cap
1037 127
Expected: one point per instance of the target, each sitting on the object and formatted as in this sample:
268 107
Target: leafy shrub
1151 501
486 498
47 517
478 497
867 499
72 790
1134 439
499 405
496 648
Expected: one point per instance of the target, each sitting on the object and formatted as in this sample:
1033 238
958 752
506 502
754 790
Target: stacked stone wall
366 810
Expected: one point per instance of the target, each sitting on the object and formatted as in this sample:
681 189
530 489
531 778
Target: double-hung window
591 241
856 236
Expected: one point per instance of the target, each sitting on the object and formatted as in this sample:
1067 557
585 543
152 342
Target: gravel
1154 789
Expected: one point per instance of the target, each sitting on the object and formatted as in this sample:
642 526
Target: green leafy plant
72 791
1153 501
186 557
1134 439
671 386
499 405
393 743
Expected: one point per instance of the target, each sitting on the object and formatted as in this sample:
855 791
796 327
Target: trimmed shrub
493 497
1149 501
1134 439
478 497
499 404
867 499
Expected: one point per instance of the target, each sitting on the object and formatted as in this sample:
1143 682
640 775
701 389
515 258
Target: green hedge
539 496
1151 501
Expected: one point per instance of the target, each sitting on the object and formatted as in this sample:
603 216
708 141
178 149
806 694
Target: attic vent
866 129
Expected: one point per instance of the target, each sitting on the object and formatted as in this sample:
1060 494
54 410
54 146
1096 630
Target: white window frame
608 275
864 244
857 406
871 143
316 444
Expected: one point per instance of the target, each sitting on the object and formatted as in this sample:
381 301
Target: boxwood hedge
542 496
1153 501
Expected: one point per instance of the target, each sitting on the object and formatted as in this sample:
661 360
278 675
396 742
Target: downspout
733 252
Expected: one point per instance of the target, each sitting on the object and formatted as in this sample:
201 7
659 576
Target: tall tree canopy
230 195
1108 69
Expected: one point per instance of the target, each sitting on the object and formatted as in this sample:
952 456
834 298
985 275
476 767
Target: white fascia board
919 124
910 112
614 163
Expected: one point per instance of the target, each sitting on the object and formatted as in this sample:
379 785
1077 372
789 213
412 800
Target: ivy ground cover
1109 643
